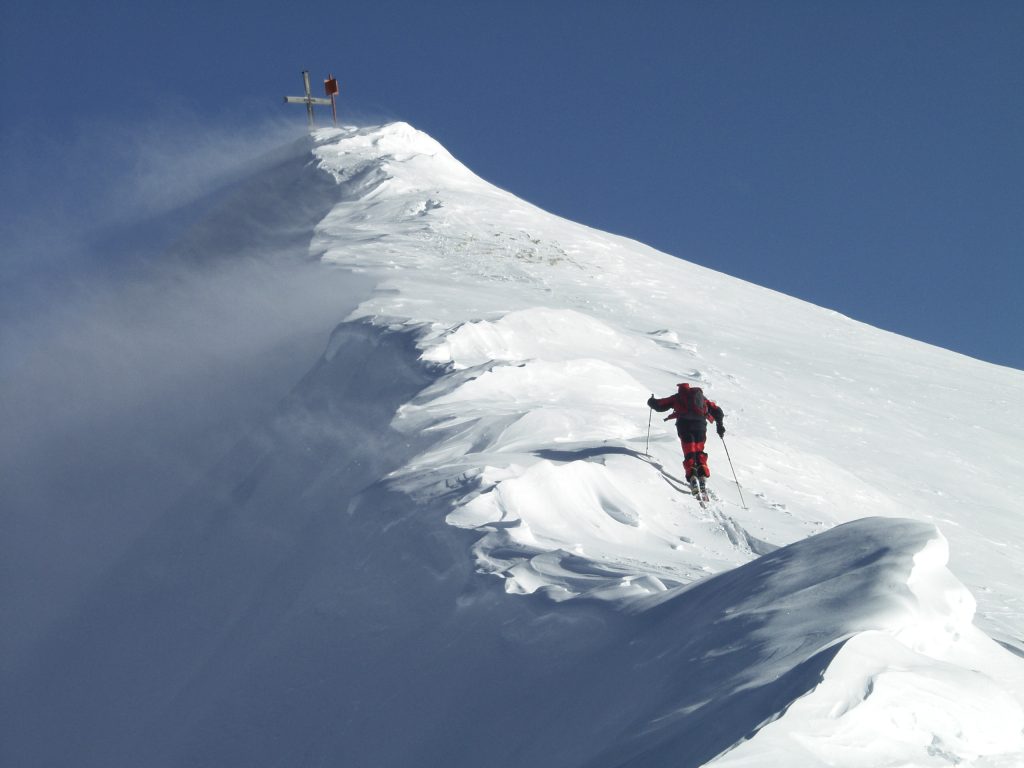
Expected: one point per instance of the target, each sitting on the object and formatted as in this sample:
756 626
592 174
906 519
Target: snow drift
336 590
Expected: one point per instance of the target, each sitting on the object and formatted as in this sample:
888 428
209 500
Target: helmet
683 385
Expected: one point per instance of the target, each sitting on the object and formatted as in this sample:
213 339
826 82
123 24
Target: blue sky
864 156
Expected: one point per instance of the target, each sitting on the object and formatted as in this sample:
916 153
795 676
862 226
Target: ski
698 492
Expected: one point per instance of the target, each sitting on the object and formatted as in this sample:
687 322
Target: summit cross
309 100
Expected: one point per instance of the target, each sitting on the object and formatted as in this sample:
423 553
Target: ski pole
650 413
738 488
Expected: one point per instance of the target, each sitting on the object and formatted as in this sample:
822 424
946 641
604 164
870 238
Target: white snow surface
548 336
463 540
552 335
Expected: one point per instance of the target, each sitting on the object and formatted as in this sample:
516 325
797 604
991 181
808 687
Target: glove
721 430
650 402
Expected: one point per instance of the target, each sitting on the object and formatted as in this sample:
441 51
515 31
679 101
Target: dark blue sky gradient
867 157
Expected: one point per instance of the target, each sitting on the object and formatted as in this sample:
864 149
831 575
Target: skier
690 408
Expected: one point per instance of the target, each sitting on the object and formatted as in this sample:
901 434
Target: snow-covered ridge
546 337
553 335
545 393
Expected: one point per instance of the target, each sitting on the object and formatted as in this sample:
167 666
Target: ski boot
701 471
694 482
703 488
696 488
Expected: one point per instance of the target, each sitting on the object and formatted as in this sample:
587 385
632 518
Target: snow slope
334 591
552 335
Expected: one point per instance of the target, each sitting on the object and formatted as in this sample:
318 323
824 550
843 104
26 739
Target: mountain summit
461 539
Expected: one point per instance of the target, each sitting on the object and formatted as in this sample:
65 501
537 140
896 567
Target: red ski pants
693 455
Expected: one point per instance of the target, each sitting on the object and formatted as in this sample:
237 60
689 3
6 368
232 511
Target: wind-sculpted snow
922 687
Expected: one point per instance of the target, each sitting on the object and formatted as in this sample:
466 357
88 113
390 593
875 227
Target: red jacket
679 403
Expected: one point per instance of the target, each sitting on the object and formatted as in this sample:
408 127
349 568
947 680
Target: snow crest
924 686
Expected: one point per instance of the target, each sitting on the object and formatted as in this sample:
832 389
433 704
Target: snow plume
133 355
455 542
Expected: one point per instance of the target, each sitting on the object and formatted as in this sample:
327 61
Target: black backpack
692 404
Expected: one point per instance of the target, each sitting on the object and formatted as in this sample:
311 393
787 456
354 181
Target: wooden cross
309 100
